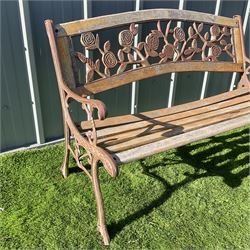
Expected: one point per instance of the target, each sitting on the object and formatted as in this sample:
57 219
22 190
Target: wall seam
207 74
135 85
31 70
173 77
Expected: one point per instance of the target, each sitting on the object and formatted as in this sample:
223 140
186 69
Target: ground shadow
207 159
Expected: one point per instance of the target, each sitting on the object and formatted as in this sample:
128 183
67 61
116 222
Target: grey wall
58 11
17 123
117 100
17 126
153 93
220 82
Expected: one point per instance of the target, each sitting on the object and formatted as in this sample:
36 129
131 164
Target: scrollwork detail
210 45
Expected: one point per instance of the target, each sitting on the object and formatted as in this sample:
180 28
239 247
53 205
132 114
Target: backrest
179 41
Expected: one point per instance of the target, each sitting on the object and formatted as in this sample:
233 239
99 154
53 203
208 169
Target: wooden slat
219 107
114 121
102 22
114 81
180 140
238 44
63 47
157 126
174 128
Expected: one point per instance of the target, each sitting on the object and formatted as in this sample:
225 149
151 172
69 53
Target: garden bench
180 41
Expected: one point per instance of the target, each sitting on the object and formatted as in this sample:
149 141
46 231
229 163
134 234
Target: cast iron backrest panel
206 43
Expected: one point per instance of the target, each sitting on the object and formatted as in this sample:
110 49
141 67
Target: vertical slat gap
85 16
174 75
86 52
206 74
135 86
31 70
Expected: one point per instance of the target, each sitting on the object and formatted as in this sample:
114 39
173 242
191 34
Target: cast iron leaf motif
209 45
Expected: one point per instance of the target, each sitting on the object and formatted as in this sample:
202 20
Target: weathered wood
63 47
102 22
147 72
128 119
163 120
180 140
173 130
155 132
238 49
242 49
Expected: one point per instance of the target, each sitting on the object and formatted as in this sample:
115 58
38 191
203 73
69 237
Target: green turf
193 197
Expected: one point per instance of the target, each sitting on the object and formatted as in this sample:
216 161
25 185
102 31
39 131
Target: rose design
87 39
126 38
216 50
168 51
152 40
179 34
215 30
109 60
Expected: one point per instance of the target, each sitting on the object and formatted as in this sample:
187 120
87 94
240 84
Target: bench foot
102 228
105 235
64 167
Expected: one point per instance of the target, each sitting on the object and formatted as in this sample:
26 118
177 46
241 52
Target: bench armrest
88 140
88 104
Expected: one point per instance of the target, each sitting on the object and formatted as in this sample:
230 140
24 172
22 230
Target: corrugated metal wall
59 11
17 125
154 92
220 82
17 121
117 100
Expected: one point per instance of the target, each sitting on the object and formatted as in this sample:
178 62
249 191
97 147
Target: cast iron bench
206 43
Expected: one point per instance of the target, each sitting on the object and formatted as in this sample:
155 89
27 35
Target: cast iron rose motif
109 59
88 40
126 38
163 44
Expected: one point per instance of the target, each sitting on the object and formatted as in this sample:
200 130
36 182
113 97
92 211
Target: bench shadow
153 126
222 159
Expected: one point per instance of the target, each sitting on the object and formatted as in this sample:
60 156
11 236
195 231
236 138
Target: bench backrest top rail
103 22
207 43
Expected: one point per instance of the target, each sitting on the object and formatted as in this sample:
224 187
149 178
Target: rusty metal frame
86 141
174 52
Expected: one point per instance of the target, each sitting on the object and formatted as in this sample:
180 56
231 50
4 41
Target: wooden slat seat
133 131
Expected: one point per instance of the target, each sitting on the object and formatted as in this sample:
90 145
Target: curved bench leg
99 203
65 164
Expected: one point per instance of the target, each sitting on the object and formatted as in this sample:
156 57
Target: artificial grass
193 197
